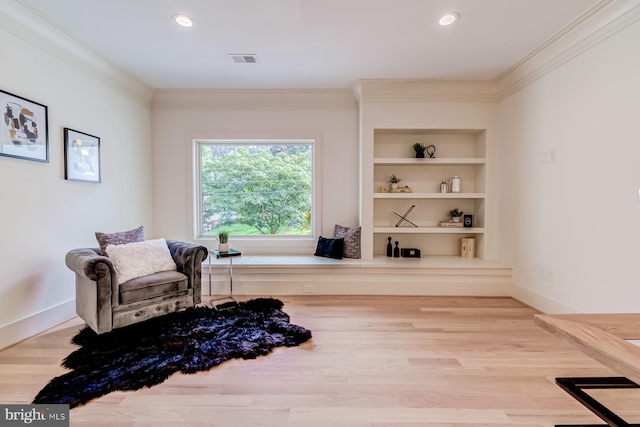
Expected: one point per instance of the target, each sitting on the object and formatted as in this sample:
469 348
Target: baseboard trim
20 330
540 302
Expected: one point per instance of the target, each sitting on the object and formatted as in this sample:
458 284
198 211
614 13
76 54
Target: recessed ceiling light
182 20
449 18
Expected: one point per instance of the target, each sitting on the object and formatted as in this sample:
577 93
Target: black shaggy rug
147 353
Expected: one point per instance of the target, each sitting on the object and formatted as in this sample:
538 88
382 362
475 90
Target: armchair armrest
89 264
96 287
188 258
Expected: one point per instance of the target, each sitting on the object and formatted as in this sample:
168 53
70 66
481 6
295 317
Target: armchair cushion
139 259
153 285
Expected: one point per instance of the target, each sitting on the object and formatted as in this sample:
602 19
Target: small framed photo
23 130
81 156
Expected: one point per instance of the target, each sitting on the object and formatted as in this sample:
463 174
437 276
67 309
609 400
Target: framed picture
24 133
81 156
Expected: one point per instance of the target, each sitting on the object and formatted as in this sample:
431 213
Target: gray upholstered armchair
104 305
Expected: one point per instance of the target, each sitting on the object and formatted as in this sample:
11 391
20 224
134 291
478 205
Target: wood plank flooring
372 362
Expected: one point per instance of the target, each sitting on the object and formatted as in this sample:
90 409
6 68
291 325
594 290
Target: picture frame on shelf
81 157
24 128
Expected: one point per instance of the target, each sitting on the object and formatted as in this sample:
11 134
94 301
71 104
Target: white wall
179 117
571 227
42 216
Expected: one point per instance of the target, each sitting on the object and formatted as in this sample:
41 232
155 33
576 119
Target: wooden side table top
600 336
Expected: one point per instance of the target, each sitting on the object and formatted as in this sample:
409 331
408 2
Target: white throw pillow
140 259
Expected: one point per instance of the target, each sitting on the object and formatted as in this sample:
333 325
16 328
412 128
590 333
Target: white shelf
428 161
429 230
459 152
429 195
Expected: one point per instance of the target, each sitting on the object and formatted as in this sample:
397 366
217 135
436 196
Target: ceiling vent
243 59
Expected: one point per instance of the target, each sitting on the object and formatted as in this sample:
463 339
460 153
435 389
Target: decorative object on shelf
389 248
410 253
403 218
419 148
456 184
451 224
444 186
467 220
24 131
431 151
81 156
223 241
384 189
396 251
394 180
468 247
405 189
455 214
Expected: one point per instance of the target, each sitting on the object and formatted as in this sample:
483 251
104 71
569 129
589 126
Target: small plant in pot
394 180
455 214
223 241
419 148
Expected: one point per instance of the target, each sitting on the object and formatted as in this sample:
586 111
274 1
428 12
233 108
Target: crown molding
602 21
23 21
415 90
245 99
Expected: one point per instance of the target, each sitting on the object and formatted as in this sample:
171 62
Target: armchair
105 305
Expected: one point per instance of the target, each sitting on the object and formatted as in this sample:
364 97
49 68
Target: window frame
259 243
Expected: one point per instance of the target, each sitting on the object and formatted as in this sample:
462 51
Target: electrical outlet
308 289
549 275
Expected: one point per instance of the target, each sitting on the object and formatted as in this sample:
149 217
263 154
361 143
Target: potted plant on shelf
419 148
455 214
223 241
394 180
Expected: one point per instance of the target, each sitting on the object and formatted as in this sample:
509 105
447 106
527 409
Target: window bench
308 274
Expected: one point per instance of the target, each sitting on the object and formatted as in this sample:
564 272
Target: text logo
34 415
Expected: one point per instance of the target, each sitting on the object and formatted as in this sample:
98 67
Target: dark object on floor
147 353
226 305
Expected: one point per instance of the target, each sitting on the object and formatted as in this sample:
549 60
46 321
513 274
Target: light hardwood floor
372 362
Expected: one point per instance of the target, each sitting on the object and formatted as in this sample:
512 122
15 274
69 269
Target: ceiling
310 44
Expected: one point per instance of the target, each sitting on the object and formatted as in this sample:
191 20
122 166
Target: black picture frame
81 157
24 131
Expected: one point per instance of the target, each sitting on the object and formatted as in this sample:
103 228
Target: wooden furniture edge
601 337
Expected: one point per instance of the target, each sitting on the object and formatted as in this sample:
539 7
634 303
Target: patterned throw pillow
351 236
119 238
329 248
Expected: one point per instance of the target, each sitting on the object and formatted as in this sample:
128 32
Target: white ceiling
311 44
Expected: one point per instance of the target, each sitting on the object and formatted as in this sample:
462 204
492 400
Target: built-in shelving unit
459 152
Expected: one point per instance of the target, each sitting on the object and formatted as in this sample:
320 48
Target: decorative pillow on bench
330 248
351 236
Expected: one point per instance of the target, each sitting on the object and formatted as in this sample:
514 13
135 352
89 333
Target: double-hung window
255 188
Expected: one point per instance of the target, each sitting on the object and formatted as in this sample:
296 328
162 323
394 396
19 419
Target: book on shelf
468 247
402 190
451 224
